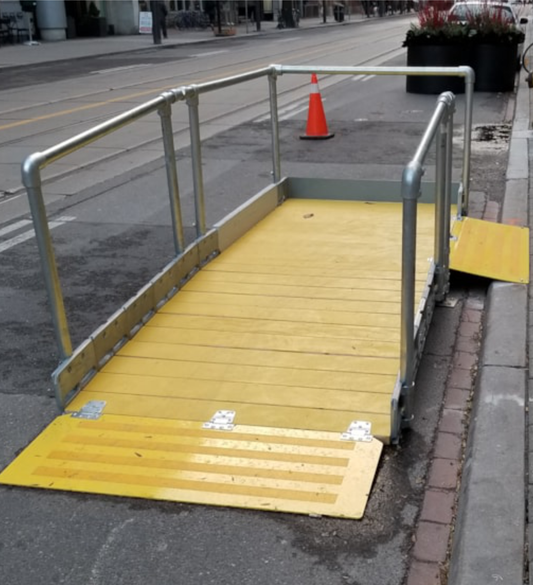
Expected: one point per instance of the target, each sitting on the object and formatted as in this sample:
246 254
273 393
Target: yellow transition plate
306 472
492 250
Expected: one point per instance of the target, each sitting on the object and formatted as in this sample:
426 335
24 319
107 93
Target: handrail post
448 198
440 177
196 156
274 120
442 196
31 179
165 113
411 181
464 191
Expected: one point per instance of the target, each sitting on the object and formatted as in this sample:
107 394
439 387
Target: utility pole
324 17
156 21
257 15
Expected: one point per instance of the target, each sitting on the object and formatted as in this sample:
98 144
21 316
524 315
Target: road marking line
367 77
290 58
31 233
14 227
286 112
123 68
209 53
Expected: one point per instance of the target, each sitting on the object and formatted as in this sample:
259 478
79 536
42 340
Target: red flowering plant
493 24
435 27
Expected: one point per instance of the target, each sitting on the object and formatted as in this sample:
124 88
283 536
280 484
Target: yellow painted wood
240 392
266 358
319 419
267 469
272 327
287 377
295 327
257 341
492 250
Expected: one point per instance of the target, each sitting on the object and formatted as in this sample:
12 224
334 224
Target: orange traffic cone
317 128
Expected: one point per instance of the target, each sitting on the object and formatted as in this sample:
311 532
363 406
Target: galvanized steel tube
276 156
60 150
411 182
32 180
448 191
440 188
196 156
165 113
430 132
469 112
233 80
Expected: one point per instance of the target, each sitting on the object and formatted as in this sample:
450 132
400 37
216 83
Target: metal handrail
439 130
33 164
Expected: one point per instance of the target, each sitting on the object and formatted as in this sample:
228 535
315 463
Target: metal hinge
92 410
359 430
222 420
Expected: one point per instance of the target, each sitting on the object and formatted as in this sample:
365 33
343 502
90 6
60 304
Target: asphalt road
118 238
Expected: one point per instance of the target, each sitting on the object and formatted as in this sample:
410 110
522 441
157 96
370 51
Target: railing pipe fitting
196 157
31 178
165 113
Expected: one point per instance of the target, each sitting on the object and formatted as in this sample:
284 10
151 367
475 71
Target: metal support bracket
222 420
91 411
359 430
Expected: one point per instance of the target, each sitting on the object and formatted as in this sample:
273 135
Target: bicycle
527 59
191 19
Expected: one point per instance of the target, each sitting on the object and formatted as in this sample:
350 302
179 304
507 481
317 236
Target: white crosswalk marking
31 233
14 227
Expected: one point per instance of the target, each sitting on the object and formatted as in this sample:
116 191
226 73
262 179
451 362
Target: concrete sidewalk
21 54
493 532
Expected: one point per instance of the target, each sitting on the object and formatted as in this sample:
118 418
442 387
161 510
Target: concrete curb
489 543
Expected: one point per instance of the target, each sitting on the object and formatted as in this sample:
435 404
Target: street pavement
491 528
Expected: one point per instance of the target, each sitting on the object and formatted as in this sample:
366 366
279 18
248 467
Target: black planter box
495 67
436 56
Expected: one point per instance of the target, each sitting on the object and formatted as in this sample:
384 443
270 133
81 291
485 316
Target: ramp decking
296 329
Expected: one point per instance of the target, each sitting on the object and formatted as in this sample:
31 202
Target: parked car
465 12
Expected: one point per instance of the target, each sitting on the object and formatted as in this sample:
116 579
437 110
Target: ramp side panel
266 469
491 250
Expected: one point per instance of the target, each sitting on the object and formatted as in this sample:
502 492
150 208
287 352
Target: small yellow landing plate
492 250
306 472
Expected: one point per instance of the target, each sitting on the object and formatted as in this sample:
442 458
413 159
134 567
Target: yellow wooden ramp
295 329
492 250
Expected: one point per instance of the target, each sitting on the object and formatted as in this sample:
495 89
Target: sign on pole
145 23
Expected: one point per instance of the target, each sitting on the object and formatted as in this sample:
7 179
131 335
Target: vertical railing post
443 194
464 192
440 187
411 180
165 113
448 192
274 120
31 178
196 155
